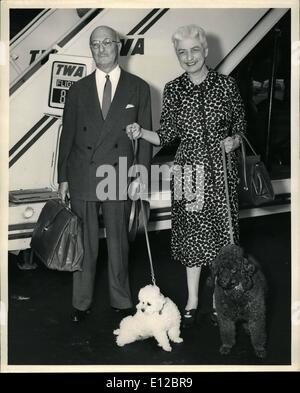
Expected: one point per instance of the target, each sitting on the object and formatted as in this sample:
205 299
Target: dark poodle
240 289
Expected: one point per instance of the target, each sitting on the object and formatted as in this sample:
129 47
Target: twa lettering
132 46
70 70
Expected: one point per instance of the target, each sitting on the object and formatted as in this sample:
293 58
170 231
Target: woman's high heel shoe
189 318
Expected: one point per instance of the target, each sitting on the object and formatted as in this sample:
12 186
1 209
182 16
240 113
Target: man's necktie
106 101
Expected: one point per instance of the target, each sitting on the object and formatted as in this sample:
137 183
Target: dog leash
134 144
148 244
227 192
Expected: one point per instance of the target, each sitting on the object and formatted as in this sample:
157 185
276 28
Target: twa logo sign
63 76
132 46
76 71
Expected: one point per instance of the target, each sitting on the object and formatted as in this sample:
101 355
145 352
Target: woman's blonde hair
190 31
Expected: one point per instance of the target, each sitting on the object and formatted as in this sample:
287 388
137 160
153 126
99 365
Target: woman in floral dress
201 108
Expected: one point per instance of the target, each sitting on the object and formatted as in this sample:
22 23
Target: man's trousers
115 216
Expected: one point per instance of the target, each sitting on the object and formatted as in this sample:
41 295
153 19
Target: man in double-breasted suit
97 110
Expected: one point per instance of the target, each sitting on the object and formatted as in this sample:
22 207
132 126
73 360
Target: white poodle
157 316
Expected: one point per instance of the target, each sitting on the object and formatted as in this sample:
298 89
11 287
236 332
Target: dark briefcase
57 238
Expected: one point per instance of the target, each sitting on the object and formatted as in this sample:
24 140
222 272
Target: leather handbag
57 237
255 187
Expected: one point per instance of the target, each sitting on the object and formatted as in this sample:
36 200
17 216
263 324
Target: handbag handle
243 150
244 138
227 192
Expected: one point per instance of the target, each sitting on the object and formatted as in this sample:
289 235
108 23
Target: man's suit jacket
88 141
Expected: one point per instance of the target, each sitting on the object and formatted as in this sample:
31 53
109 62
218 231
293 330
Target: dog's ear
249 270
249 266
160 302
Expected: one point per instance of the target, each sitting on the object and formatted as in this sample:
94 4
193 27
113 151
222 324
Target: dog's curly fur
157 316
240 289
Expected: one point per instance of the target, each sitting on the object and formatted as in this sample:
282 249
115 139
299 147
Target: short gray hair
190 31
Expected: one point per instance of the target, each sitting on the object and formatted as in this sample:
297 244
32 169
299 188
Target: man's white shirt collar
114 76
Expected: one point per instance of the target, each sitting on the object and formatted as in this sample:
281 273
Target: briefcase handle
63 206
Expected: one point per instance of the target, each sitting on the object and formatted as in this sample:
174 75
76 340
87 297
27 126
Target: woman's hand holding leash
231 143
134 131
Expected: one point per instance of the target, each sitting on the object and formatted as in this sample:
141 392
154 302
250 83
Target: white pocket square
129 106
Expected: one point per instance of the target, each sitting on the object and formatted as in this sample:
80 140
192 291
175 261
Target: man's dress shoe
78 315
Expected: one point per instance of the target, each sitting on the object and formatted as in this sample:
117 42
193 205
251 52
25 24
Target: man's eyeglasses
107 43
